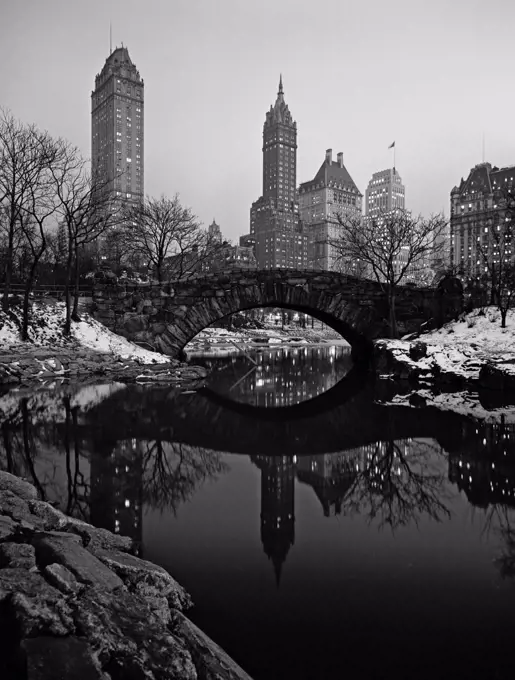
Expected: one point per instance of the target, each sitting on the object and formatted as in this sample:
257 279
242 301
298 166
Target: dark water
350 539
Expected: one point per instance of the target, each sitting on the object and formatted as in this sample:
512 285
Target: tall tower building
117 126
274 217
385 192
331 194
277 508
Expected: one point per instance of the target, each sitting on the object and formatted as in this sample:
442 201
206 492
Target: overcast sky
433 75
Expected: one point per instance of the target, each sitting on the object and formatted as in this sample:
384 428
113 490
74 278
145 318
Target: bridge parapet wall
166 316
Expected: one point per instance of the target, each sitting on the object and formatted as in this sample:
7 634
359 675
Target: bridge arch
169 315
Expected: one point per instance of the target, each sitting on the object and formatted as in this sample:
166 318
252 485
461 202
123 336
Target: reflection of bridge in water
323 425
146 447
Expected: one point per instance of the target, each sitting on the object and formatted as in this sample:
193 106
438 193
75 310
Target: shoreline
77 601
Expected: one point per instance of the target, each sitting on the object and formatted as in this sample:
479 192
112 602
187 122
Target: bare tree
392 248
38 209
173 471
87 209
161 229
23 160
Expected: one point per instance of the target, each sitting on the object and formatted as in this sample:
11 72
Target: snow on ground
45 330
481 331
216 340
463 347
90 333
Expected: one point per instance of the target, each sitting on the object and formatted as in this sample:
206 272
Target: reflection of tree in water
501 520
172 472
33 445
396 483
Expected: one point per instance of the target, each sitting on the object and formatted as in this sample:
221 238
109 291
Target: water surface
355 539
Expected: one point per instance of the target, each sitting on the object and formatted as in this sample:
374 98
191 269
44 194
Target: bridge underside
357 324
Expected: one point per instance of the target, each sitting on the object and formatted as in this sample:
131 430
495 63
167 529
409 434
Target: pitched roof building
477 209
332 192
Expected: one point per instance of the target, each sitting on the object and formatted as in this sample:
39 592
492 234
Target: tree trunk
75 313
67 299
391 307
26 298
8 273
504 312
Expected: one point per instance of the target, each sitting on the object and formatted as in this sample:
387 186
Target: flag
391 145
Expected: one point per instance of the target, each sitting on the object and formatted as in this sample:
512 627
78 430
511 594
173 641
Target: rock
52 517
37 607
7 527
62 578
417 400
146 579
85 566
18 486
17 508
211 662
95 538
417 350
129 639
50 658
17 555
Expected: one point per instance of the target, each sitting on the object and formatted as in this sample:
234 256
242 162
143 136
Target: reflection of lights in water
260 382
127 503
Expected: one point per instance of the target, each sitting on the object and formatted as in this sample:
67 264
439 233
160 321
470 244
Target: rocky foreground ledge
75 602
36 365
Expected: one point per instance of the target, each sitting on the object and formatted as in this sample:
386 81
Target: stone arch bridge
167 316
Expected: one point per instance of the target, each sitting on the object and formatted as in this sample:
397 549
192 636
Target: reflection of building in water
277 507
485 468
286 376
330 475
116 487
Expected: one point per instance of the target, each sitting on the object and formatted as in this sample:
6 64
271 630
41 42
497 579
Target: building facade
214 233
385 193
331 194
117 127
477 210
274 217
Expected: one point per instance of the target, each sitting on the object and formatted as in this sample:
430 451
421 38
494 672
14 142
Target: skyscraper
117 127
330 194
277 508
385 192
274 217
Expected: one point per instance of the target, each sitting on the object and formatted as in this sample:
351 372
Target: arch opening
361 346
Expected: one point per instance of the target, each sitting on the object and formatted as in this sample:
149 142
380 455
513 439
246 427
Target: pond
358 538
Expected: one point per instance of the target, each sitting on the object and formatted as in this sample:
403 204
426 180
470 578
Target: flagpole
394 158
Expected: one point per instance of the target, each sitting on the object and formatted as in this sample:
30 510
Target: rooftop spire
280 84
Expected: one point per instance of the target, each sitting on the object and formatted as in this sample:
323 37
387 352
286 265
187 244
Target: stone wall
167 316
76 603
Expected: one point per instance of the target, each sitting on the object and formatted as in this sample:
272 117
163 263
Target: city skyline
429 79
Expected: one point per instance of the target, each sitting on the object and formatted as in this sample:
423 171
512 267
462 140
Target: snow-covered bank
460 351
216 340
92 351
46 330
